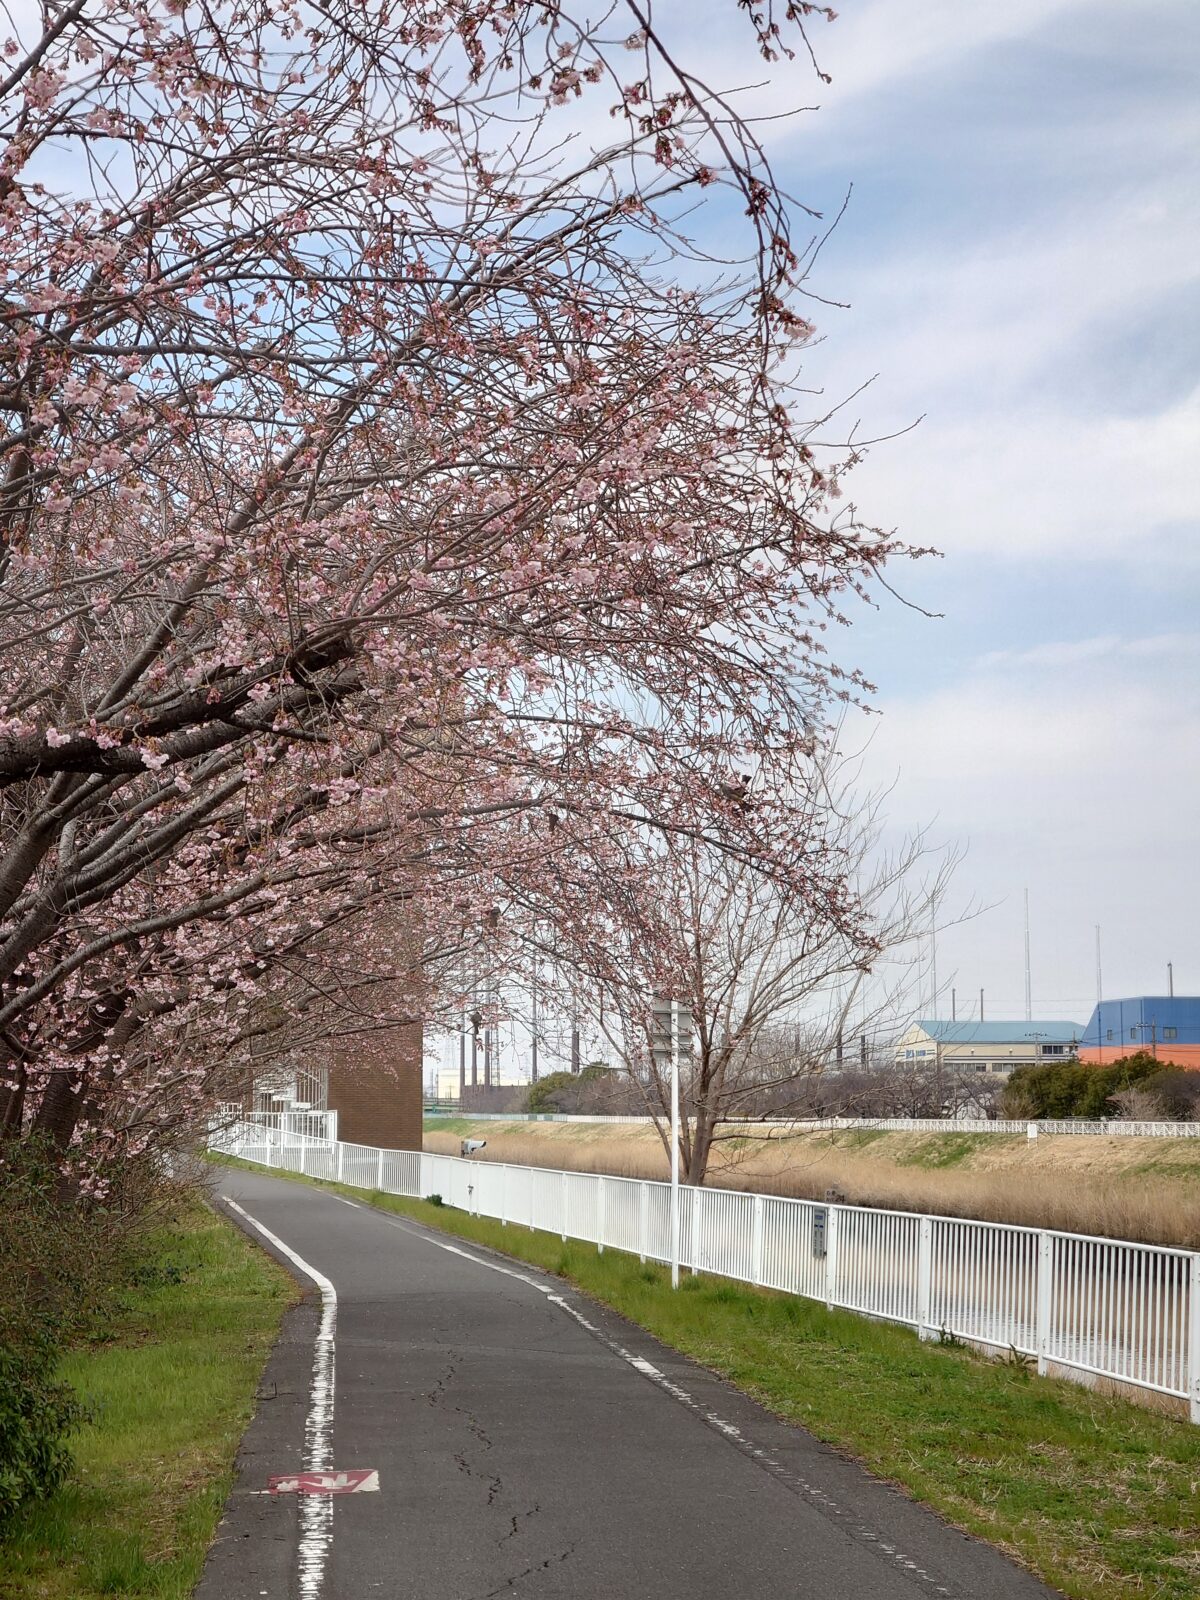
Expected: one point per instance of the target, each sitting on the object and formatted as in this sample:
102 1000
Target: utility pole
462 1057
933 983
981 1005
1099 975
1028 986
575 1045
675 1144
534 1026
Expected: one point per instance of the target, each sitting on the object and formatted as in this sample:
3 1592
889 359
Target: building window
1054 1049
1170 1033
1133 1033
1110 1033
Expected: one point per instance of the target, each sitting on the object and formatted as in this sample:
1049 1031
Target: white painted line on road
316 1511
353 1204
731 1431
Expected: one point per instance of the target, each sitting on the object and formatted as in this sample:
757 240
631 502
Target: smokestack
954 1005
1099 979
981 1005
1171 979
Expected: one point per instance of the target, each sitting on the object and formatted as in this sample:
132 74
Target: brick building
375 1087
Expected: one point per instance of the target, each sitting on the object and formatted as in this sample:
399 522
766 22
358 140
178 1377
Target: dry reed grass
1115 1188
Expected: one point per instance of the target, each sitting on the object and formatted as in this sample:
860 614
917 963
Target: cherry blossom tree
390 509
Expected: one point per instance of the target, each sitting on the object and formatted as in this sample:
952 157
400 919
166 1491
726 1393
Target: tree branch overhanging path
386 523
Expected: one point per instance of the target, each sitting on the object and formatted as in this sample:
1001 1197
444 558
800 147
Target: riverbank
1121 1188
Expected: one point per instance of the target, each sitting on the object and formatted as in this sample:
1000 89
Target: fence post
565 1192
756 1241
601 1214
925 1279
379 1172
1045 1299
338 1147
504 1195
694 1231
643 1219
1194 1340
832 1216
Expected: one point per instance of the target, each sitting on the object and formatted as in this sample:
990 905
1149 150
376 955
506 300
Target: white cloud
1076 785
1037 483
880 43
1062 653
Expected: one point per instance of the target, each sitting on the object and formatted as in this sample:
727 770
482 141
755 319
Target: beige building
995 1047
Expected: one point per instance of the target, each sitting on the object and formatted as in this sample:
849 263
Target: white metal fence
311 1124
1087 1307
1070 1125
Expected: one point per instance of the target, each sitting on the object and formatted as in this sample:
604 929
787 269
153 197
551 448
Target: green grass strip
170 1389
1098 1496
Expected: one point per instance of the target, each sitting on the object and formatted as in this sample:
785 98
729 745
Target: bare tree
771 976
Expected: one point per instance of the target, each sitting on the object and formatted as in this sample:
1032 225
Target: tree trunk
12 1100
58 1115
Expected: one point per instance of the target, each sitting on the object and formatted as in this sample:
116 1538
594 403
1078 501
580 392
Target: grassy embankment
1099 1497
170 1384
1123 1188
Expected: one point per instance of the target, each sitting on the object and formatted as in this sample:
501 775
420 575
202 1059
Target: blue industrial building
1166 1025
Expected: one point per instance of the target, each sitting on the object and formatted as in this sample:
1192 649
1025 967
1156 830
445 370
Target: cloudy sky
1020 254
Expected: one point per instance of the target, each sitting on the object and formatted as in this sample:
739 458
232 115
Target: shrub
1177 1091
598 1089
36 1416
1072 1089
64 1258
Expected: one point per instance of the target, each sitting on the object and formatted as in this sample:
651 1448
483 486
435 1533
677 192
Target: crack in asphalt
492 1479
539 1566
516 1521
442 1384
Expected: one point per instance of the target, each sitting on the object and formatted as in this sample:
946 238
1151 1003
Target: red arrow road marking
358 1480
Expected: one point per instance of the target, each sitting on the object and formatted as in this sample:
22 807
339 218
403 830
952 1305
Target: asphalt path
532 1444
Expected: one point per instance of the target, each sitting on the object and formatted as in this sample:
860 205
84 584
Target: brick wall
375 1087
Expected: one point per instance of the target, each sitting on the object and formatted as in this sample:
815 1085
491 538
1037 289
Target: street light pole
674 1144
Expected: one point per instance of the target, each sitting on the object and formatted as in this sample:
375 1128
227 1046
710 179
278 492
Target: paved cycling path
533 1445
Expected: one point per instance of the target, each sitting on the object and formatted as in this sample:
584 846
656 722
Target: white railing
1087 1307
303 1124
1112 1126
